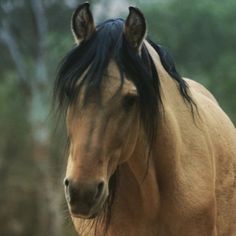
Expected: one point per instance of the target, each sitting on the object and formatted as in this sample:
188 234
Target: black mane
91 58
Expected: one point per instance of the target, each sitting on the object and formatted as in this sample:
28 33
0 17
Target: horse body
184 185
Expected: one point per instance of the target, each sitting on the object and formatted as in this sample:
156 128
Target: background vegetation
34 36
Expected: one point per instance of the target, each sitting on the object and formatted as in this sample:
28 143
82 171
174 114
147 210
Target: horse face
102 136
102 133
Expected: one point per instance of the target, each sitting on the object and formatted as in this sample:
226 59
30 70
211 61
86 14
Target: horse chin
86 217
93 216
94 212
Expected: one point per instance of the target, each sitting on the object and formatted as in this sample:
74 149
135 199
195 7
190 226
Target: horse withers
150 153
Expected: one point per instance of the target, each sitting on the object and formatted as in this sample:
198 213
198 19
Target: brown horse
150 153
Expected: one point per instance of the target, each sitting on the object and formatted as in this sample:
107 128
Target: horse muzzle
85 200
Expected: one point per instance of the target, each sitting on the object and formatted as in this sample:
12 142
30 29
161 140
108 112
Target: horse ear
82 24
135 27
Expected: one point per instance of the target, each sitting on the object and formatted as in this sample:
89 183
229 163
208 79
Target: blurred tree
14 157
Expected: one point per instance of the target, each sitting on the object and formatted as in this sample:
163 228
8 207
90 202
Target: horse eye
129 101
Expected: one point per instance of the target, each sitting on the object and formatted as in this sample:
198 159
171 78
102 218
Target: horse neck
142 175
168 86
173 127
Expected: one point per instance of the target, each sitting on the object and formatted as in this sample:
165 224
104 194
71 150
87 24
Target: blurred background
34 36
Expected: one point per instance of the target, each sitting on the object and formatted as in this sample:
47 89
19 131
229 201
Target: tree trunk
49 191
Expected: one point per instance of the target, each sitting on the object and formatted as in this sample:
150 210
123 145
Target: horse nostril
66 182
100 188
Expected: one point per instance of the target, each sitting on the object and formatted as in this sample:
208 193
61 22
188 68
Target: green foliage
15 161
201 37
13 120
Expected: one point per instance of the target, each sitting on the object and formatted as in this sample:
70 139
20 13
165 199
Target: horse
150 153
